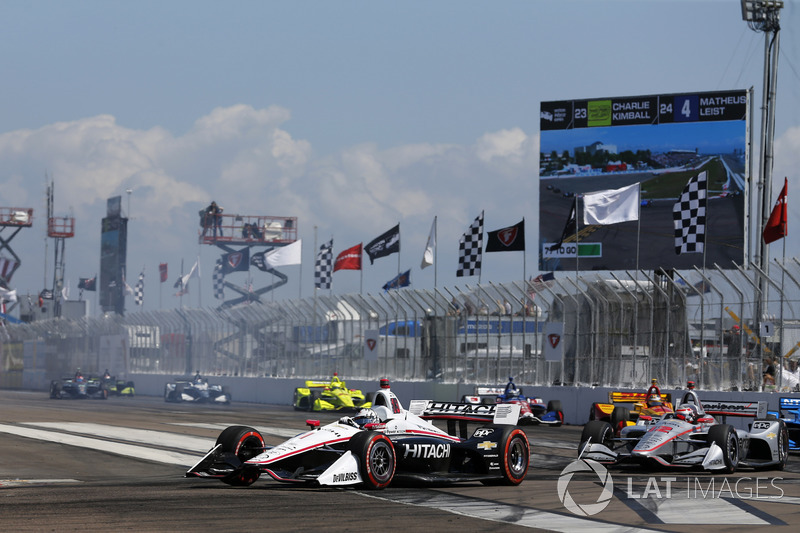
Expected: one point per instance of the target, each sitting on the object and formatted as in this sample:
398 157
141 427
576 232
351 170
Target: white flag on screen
612 206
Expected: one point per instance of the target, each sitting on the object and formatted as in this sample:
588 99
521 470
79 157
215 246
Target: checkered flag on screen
138 291
689 216
219 279
323 268
470 248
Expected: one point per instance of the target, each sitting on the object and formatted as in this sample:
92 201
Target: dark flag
259 261
401 280
236 261
776 225
88 284
510 239
569 227
386 244
162 270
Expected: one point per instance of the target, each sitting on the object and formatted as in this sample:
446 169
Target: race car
329 396
692 438
118 387
789 412
652 403
532 410
78 388
373 448
196 389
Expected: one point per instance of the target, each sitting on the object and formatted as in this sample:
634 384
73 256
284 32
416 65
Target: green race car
333 396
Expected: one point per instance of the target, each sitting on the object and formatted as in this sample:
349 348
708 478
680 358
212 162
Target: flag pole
524 261
435 250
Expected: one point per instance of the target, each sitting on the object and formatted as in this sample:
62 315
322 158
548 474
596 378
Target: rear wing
452 412
736 408
634 397
788 404
489 391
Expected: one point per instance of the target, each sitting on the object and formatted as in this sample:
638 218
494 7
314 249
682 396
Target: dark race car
78 388
374 448
197 390
533 410
789 412
118 387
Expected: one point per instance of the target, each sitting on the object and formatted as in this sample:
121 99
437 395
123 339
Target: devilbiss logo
591 508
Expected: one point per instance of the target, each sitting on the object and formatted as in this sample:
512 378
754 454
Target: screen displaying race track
663 143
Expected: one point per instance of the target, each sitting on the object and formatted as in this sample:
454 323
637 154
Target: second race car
329 396
78 388
533 410
692 438
196 389
372 449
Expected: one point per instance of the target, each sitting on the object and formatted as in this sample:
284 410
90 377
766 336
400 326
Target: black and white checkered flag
323 268
689 216
470 248
219 281
138 291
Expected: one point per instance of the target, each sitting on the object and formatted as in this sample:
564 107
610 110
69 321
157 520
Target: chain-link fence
615 329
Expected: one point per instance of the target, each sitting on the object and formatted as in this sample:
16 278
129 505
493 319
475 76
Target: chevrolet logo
487 445
771 435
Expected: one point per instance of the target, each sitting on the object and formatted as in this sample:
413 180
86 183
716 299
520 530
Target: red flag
776 225
350 259
162 270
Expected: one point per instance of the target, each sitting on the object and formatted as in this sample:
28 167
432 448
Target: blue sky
353 116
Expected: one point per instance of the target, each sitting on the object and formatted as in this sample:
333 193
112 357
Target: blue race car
789 412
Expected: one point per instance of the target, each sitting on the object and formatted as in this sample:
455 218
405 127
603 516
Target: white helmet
366 416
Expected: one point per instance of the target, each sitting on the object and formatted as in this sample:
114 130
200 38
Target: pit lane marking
140 436
8 483
500 512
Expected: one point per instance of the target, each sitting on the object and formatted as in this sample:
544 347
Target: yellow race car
329 396
652 403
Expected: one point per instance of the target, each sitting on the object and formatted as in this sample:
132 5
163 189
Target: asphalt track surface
68 465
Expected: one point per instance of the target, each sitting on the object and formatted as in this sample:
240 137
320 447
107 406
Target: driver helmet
366 416
687 413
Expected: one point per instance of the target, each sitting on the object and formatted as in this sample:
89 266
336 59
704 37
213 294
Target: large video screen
113 252
660 142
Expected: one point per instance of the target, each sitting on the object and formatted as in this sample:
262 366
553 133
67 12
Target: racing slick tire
376 459
226 391
593 412
783 446
555 406
619 418
296 402
516 456
724 436
245 443
598 431
312 399
55 390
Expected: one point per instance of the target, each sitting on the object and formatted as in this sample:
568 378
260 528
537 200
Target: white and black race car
197 390
373 448
692 438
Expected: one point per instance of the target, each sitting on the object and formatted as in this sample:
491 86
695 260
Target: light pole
764 16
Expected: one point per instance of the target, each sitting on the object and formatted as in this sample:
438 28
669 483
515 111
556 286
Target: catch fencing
612 329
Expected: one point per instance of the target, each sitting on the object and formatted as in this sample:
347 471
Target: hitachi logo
427 451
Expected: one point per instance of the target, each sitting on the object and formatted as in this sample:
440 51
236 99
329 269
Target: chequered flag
470 248
219 279
138 292
689 216
323 268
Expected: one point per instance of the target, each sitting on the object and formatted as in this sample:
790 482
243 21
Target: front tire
555 406
516 456
783 446
724 436
596 432
619 418
376 459
245 443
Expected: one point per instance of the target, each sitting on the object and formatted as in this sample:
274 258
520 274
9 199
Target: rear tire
376 460
598 432
245 443
724 436
312 399
619 418
783 446
55 390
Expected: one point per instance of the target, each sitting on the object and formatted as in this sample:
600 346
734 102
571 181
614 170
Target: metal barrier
615 330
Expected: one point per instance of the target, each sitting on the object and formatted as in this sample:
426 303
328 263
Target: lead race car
78 388
329 396
533 410
374 448
692 438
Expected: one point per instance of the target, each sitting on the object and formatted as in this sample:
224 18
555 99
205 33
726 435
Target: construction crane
59 229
